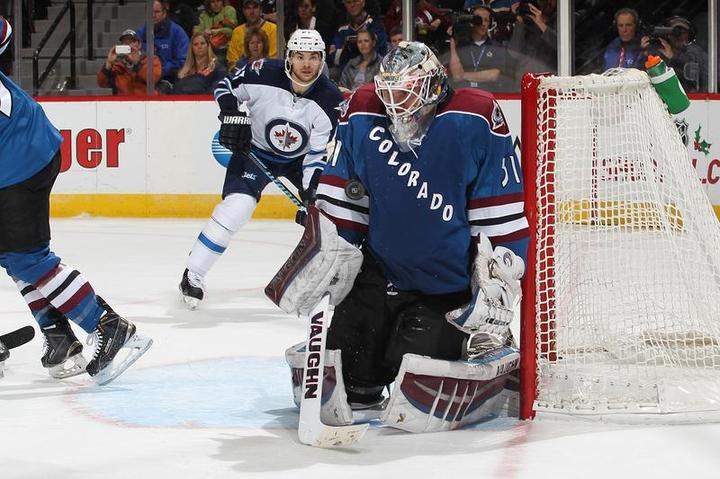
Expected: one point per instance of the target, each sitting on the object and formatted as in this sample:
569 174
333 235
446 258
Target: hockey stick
276 181
302 210
311 429
16 338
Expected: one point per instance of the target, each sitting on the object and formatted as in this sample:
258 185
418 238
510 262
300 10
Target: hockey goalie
418 237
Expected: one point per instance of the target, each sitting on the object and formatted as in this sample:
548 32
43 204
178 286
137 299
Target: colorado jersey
28 141
420 209
285 126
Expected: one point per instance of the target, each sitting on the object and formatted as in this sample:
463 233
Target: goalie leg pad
335 410
432 395
323 262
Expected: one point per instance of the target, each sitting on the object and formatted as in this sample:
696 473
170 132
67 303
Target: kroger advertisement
148 153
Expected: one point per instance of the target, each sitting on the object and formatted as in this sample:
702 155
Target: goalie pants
376 325
50 289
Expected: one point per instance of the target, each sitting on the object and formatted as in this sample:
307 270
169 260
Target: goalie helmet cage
621 299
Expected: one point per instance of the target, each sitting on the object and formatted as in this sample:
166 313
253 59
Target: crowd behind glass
487 44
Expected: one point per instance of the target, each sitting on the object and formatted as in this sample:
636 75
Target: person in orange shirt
126 73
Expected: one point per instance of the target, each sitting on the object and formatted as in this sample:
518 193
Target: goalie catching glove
235 131
496 294
322 262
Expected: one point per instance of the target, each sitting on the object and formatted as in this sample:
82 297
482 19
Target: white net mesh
628 279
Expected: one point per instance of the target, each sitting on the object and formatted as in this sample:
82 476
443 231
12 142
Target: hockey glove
307 195
496 295
235 131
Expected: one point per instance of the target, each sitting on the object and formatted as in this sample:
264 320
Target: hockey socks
45 283
228 216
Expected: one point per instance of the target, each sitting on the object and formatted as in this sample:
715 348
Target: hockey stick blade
16 338
311 429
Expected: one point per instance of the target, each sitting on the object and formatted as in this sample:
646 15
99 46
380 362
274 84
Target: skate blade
136 346
191 303
78 366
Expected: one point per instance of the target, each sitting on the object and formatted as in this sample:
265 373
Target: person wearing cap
684 55
253 19
126 73
170 40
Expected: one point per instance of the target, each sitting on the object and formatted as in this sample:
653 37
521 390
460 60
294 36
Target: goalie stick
311 430
16 338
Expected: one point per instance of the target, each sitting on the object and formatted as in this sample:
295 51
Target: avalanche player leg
25 254
62 351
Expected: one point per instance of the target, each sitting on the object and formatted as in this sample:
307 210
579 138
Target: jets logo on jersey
285 137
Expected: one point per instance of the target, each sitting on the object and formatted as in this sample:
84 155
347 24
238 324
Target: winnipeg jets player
425 179
54 292
290 114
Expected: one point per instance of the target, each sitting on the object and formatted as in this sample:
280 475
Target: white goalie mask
410 82
304 41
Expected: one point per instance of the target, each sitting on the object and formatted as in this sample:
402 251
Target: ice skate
192 289
113 335
62 351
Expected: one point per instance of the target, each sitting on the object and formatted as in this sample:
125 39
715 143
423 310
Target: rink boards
155 158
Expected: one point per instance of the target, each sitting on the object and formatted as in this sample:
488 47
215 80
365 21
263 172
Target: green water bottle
667 85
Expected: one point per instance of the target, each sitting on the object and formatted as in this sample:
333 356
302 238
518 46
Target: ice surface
211 399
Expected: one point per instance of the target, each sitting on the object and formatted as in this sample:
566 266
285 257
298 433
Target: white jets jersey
285 126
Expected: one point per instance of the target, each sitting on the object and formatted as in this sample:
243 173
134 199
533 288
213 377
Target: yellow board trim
158 206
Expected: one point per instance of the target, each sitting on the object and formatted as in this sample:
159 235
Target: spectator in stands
362 68
396 36
201 70
257 46
681 52
253 19
343 47
171 42
478 62
180 12
533 43
305 18
126 73
625 51
431 24
217 23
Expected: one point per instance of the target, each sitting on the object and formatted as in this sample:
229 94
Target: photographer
675 43
534 38
125 69
625 51
475 61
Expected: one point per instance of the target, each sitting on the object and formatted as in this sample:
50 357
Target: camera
463 24
654 35
524 8
123 50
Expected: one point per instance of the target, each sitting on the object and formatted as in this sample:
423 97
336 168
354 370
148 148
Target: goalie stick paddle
16 338
311 429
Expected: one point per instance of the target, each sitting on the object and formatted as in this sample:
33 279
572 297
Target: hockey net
621 311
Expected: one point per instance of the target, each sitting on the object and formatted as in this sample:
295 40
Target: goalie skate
118 346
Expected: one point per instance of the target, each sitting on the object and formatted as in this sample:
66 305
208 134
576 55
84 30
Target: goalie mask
410 83
304 41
